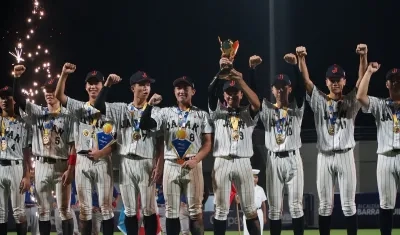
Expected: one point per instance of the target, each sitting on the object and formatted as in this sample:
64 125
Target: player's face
184 92
255 179
50 97
394 85
6 102
281 92
335 85
93 88
233 97
141 90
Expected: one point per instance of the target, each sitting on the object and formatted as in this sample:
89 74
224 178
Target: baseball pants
178 180
58 223
97 218
184 219
10 179
260 218
48 178
340 166
87 174
238 171
388 176
135 180
161 213
284 171
32 219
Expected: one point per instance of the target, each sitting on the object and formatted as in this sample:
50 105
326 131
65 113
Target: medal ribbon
48 125
280 122
136 122
183 117
395 114
332 113
3 127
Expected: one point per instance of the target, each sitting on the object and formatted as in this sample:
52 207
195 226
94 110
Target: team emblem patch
85 133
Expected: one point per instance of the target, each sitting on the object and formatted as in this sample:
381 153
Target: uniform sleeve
27 132
255 118
374 106
263 196
354 103
114 112
315 99
207 125
263 113
29 137
33 109
74 107
71 135
158 117
299 109
213 113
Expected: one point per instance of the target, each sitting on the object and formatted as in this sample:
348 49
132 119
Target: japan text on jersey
13 138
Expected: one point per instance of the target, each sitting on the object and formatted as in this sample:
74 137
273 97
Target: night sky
168 39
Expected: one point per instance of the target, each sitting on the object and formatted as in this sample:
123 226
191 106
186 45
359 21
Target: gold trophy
229 50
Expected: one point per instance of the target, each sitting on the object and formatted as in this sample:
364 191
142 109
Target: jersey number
241 135
191 137
144 135
57 140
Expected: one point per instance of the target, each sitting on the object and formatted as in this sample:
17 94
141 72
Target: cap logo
50 81
394 71
94 73
5 88
280 76
144 75
184 77
334 70
232 83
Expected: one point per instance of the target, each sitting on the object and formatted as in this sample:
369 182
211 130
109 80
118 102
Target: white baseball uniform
51 136
388 169
284 163
259 198
137 150
177 180
13 141
88 171
334 123
232 158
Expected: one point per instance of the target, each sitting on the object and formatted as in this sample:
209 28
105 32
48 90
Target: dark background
168 39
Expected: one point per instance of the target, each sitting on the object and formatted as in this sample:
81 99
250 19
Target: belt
284 153
396 151
230 157
49 160
29 205
177 160
5 162
343 150
161 205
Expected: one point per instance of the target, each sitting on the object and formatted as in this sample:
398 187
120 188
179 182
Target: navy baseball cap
335 71
282 80
6 91
230 84
50 84
392 73
94 76
140 76
185 80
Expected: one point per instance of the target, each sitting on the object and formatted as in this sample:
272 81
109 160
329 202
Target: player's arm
67 69
362 92
100 102
301 53
146 121
362 50
298 88
18 96
254 61
159 159
213 92
247 91
264 210
207 140
68 175
27 166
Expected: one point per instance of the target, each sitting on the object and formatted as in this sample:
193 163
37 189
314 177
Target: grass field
288 232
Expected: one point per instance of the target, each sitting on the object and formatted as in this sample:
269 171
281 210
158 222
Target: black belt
341 150
284 153
396 151
29 205
5 162
49 160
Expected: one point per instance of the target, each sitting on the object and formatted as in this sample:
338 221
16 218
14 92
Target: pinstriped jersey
15 138
339 115
87 120
51 133
127 119
224 143
282 125
198 123
381 109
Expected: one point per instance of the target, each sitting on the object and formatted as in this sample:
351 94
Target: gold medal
235 135
180 161
136 136
85 133
46 139
279 139
331 130
3 144
181 134
396 129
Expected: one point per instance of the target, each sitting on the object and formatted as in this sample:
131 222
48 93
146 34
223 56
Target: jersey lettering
386 117
173 124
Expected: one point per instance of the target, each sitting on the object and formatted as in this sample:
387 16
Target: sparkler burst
18 54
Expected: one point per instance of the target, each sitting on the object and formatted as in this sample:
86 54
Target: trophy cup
229 50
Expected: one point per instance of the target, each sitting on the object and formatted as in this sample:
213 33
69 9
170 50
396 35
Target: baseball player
282 122
93 164
233 146
52 144
334 116
97 217
259 198
137 149
387 115
15 163
188 139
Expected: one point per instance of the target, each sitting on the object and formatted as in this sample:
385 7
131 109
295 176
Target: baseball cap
230 84
255 171
183 79
50 84
6 91
94 75
335 71
140 76
281 79
392 73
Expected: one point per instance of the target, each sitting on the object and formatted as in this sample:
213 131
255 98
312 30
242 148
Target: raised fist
254 61
362 49
155 99
373 67
301 51
290 58
112 79
68 68
19 70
